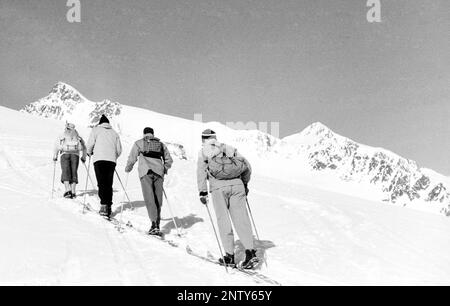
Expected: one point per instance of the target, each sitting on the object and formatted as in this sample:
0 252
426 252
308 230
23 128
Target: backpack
153 148
224 167
70 144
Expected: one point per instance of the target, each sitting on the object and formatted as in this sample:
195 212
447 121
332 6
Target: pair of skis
255 275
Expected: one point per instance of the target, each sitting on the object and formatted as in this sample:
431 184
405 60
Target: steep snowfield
310 235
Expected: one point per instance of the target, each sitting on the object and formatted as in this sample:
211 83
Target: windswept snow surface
310 235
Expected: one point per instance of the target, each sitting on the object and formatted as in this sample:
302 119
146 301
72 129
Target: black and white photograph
216 144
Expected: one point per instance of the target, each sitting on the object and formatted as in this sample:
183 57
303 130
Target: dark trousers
69 168
104 172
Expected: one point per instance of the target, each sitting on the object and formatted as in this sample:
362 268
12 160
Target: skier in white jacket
228 187
105 147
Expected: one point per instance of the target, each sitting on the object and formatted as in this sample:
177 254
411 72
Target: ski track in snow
310 236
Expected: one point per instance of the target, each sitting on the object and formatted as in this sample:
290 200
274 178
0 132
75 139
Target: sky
288 61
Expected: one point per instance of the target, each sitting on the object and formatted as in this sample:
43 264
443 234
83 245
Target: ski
255 275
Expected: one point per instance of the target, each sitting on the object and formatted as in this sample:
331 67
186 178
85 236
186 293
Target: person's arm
168 161
91 142
118 147
56 149
132 158
83 150
246 175
202 174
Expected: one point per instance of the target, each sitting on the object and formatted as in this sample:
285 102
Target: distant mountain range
398 179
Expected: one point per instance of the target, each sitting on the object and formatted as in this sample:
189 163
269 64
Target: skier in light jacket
69 144
229 196
105 147
154 162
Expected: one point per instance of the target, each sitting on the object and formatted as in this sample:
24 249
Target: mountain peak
60 84
64 102
65 91
316 128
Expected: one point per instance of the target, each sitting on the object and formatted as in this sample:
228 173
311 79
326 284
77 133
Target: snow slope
310 235
316 155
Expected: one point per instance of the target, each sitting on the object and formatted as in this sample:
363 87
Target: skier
154 162
105 147
228 174
69 144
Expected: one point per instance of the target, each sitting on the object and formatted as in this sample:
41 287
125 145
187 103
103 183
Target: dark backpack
226 167
153 148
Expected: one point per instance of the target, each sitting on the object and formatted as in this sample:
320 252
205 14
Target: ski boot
68 195
105 211
154 230
227 260
251 260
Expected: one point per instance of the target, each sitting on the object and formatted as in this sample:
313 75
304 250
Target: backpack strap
150 154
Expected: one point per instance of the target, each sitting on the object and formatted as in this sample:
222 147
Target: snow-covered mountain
317 148
66 103
400 180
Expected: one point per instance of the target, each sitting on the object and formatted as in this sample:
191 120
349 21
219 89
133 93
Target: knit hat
148 130
208 133
103 119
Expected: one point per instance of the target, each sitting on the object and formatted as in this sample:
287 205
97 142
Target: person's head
103 119
70 126
70 131
208 134
148 131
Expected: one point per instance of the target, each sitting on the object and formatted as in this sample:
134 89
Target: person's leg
100 174
110 170
220 202
74 162
239 216
149 197
65 171
158 187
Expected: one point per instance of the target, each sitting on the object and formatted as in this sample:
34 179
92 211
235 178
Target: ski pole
85 188
171 213
89 176
123 200
254 225
124 190
54 173
215 233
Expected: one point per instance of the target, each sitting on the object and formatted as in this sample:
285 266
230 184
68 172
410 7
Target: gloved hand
246 190
204 197
83 160
55 159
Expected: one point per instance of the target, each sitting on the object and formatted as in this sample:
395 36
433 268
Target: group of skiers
227 172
